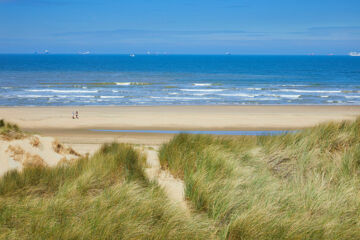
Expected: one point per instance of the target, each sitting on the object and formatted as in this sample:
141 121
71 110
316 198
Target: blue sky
180 27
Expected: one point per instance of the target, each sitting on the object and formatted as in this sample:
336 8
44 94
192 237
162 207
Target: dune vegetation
303 185
105 196
10 131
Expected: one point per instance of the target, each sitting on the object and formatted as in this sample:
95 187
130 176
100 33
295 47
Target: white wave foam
111 96
189 98
6 87
308 91
73 96
238 95
267 99
324 96
290 96
138 100
62 91
352 96
35 96
294 85
174 93
254 89
184 98
123 83
202 90
202 84
281 95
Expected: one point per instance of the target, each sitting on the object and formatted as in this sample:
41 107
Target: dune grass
10 131
303 185
105 196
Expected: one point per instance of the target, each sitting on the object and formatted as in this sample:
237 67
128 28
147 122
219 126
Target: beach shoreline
57 121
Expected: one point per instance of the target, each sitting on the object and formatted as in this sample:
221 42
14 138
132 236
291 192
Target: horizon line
164 54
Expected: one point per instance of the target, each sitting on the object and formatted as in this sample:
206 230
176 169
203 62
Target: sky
180 27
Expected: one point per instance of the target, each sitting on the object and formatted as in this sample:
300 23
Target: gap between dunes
174 188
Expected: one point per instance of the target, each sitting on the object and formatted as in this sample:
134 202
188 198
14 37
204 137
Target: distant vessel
227 53
43 52
84 53
132 55
354 54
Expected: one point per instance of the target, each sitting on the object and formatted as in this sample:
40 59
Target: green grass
10 131
105 196
294 186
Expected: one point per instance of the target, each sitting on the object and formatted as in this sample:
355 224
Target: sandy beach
57 121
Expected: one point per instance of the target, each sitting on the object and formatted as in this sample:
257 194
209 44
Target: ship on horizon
84 53
354 54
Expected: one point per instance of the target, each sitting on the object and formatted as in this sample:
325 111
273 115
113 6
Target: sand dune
31 151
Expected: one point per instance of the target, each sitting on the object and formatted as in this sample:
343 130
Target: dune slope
19 149
294 186
106 196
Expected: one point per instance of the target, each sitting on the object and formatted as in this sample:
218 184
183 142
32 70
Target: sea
62 80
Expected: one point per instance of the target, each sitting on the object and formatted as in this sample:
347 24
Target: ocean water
55 80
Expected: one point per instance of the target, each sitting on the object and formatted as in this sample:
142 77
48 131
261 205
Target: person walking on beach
73 115
77 114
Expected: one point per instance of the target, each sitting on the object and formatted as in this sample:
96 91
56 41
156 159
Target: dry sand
32 150
57 121
174 188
